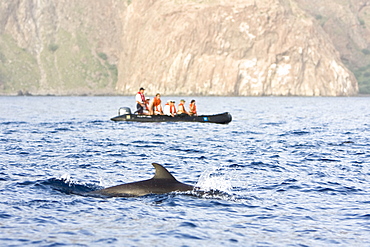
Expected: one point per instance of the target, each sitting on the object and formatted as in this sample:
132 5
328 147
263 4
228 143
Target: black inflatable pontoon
124 114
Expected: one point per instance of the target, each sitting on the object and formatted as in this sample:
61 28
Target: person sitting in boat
155 107
140 101
192 108
170 108
147 103
146 108
181 108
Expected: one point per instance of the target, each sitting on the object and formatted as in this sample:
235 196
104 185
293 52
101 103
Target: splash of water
214 179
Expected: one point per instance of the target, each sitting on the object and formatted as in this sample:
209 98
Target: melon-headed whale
162 182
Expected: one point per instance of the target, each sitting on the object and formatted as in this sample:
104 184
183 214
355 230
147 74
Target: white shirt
138 98
167 110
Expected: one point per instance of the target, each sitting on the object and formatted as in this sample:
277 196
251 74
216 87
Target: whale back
162 182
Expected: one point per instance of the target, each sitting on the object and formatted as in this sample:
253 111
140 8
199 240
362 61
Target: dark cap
142 88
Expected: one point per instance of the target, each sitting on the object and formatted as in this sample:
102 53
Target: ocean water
288 171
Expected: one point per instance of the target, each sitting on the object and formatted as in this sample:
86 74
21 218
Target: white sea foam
214 179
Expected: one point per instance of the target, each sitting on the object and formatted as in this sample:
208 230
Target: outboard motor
124 111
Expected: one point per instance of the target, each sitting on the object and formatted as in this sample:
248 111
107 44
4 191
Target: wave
68 186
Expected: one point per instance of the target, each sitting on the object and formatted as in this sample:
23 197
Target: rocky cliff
265 47
60 47
347 24
184 47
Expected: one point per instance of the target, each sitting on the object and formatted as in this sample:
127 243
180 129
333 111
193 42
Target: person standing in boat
192 108
140 101
155 107
170 108
181 108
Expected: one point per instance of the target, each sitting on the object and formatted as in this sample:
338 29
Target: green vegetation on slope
363 77
73 67
18 68
69 65
363 73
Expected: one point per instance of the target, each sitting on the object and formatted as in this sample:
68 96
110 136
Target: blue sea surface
288 171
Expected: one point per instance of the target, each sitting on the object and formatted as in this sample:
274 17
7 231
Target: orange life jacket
172 108
156 103
182 107
193 108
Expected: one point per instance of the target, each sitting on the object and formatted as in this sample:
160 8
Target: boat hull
222 118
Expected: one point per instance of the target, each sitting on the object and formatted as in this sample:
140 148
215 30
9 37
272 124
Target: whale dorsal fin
162 173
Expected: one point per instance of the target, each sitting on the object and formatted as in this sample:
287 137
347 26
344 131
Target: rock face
60 47
229 48
347 24
182 47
